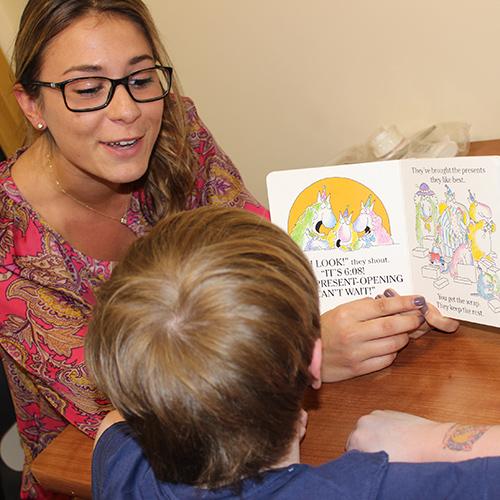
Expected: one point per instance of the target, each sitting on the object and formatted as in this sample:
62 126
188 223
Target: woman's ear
315 366
30 106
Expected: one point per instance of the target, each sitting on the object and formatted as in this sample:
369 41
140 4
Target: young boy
205 340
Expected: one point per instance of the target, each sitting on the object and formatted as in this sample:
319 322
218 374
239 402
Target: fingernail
420 302
389 293
378 296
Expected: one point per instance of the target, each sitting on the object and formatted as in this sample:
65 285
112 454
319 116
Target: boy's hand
404 437
408 438
111 418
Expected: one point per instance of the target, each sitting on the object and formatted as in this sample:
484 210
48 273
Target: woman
114 149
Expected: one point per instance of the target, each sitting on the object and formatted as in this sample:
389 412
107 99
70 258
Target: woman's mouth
123 144
124 148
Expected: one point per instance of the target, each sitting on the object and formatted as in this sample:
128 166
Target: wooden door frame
12 127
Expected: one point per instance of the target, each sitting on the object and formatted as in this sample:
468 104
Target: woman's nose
122 107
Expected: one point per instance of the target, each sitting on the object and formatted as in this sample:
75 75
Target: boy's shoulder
114 460
354 475
120 470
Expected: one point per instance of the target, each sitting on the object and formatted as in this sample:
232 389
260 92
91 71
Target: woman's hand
365 335
433 318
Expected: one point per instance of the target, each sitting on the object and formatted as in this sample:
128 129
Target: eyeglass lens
93 92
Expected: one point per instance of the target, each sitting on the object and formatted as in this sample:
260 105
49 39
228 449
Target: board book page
423 226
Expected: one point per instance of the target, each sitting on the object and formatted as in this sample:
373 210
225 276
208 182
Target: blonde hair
170 176
202 339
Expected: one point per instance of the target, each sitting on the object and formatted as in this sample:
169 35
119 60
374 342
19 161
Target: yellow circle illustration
344 194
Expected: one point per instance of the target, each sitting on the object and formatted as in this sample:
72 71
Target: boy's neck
292 457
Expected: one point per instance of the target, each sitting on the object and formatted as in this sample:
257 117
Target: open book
420 226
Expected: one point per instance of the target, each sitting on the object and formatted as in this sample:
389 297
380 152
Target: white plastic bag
387 143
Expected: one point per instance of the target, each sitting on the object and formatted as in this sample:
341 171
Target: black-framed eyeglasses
90 93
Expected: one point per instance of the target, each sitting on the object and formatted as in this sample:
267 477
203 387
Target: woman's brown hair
170 177
202 339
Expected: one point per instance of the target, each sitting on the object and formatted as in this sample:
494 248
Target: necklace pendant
123 219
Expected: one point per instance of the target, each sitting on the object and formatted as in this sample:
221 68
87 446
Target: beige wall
290 83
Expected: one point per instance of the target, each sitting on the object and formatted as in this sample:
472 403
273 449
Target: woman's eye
87 88
89 91
140 82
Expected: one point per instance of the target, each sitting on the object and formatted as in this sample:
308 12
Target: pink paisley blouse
46 296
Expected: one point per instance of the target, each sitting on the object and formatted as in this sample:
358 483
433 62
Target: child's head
203 338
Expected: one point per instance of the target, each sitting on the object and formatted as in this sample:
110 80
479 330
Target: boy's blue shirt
120 471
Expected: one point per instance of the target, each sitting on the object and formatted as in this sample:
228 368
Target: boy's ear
315 366
29 105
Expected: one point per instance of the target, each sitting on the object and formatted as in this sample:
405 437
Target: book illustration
371 224
420 226
314 225
426 214
455 238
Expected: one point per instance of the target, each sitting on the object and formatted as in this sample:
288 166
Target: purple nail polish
378 296
389 293
420 302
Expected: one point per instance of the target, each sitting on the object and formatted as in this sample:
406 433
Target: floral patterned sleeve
218 181
46 297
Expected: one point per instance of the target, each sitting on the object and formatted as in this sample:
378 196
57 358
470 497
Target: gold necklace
121 220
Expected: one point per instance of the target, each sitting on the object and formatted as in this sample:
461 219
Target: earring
40 126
